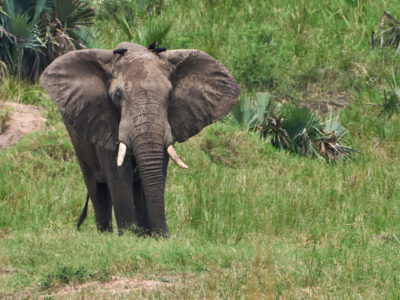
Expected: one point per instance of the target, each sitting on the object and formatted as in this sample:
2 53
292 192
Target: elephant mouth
170 150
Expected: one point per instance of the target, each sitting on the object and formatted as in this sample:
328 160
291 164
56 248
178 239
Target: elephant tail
83 215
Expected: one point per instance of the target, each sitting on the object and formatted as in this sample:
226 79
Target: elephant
123 110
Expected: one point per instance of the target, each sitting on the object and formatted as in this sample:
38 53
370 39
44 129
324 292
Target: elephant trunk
151 162
143 132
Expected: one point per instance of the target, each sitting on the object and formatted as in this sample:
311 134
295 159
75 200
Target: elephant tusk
175 157
121 154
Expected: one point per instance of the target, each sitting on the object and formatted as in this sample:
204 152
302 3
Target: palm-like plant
391 102
330 146
253 113
242 113
153 31
389 34
34 32
147 32
301 130
293 128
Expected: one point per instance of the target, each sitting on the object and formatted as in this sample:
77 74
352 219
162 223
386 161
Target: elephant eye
117 97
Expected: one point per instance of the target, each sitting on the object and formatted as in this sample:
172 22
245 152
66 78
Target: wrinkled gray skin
146 101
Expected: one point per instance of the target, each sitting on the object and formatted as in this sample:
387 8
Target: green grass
245 220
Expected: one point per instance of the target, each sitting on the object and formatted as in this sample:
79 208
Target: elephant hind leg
102 205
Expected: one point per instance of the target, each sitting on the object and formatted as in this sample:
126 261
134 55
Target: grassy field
245 220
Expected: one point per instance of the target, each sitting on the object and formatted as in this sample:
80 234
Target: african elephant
138 102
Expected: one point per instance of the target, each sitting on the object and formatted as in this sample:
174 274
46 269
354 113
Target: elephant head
138 102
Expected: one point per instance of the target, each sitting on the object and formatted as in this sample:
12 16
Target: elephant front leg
141 208
119 183
124 207
95 182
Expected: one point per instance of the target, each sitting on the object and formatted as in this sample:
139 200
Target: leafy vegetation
4 118
33 33
246 220
140 21
4 113
389 34
294 128
391 103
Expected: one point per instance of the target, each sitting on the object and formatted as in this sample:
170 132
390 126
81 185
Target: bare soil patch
323 103
23 119
320 102
115 288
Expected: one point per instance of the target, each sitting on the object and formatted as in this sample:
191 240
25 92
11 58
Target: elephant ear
77 82
203 92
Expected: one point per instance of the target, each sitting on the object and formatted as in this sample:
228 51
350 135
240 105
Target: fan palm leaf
152 31
73 12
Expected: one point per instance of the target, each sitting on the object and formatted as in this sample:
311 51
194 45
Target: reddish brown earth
23 119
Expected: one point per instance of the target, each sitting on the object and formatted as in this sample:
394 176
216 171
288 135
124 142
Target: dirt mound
23 119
